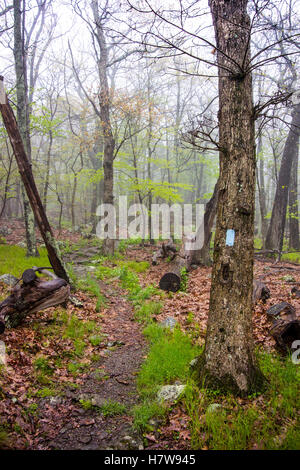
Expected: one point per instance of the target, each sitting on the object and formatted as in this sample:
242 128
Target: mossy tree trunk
228 361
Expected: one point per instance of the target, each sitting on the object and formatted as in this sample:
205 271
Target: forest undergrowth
52 355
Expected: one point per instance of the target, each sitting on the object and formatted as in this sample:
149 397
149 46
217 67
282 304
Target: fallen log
295 291
283 310
260 292
285 333
166 250
286 327
31 295
171 280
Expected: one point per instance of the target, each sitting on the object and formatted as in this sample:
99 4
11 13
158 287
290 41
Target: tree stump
32 295
260 292
286 327
171 280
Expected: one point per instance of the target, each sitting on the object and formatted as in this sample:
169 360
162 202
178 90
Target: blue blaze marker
230 234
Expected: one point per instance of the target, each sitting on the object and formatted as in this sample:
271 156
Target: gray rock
131 443
194 363
8 279
213 408
91 268
4 231
169 322
55 400
85 439
170 393
95 400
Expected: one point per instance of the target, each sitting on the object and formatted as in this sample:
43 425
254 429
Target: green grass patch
42 365
46 392
269 421
109 407
124 244
3 436
136 266
144 313
184 280
168 359
112 408
79 332
293 257
13 260
143 413
75 368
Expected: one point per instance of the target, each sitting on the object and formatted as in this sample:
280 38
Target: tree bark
104 104
202 256
228 361
294 240
23 114
274 239
261 191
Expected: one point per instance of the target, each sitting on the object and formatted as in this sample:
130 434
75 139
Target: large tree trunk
228 361
261 190
274 239
202 256
104 103
294 240
23 115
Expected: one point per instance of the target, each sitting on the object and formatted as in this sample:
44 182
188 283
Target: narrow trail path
112 379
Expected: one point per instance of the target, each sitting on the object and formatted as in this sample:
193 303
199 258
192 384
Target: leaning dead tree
31 295
29 184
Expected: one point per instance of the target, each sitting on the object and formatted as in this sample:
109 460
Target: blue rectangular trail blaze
230 234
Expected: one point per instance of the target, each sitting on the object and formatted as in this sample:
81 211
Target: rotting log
166 250
286 327
285 333
171 280
32 295
284 310
295 292
260 292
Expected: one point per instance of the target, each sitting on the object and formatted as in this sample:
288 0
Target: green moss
46 392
